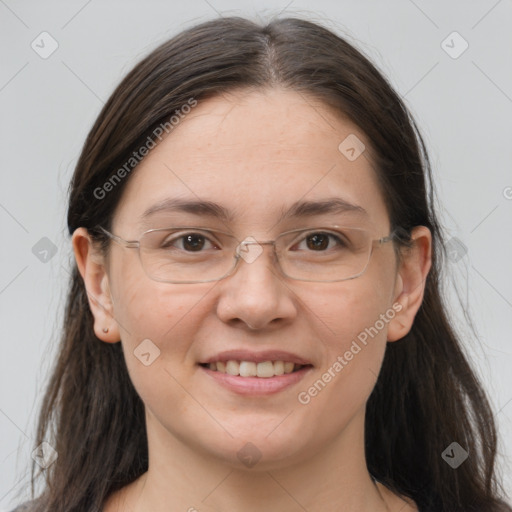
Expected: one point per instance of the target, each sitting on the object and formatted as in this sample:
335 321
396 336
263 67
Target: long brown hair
426 396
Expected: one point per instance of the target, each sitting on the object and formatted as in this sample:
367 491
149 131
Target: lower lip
257 385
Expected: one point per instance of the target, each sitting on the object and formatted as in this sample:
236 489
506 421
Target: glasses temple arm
130 244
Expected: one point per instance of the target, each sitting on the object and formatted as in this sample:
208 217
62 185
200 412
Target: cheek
158 322
351 308
147 309
355 317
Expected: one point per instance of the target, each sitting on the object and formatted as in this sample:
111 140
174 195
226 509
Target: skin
254 153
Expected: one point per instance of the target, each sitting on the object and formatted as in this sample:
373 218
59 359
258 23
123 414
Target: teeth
279 367
288 367
248 369
264 369
233 368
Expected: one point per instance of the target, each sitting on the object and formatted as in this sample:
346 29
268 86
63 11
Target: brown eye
193 242
318 241
187 242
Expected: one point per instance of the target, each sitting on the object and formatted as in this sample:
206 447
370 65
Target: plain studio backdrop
450 61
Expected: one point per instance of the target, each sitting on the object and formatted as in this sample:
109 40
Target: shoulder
395 502
25 507
37 506
28 506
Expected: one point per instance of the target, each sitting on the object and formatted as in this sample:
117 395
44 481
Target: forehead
255 153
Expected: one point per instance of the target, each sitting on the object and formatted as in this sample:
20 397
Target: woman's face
255 155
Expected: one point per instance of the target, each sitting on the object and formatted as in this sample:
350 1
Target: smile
250 378
265 369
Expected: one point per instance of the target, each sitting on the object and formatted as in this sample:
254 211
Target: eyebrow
299 209
200 208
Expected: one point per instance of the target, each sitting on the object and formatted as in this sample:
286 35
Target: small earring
105 329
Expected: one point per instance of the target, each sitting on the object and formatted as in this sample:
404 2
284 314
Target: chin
258 445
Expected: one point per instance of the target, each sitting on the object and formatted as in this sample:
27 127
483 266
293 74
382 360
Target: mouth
262 370
250 373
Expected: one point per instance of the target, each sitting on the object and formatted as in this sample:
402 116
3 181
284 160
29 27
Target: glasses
199 255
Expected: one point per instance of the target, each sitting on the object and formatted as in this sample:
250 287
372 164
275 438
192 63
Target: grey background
463 106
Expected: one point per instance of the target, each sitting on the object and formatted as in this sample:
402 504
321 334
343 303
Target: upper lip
256 357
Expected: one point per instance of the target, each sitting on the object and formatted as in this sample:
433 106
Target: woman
255 319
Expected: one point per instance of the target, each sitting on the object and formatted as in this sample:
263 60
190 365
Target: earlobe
410 284
90 263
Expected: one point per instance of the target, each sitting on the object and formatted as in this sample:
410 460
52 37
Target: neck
182 478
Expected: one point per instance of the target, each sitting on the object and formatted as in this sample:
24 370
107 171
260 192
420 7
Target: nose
256 295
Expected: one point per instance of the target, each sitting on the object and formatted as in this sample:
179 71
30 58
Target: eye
189 242
320 241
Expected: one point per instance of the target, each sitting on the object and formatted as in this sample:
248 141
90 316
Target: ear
91 265
410 282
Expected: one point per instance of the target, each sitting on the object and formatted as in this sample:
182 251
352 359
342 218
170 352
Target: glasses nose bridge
239 250
257 242
247 242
